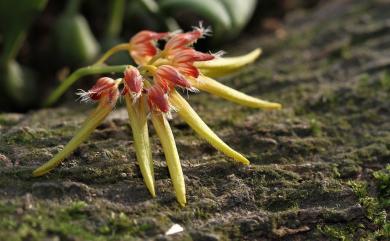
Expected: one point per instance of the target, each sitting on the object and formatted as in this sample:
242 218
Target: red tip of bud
168 76
105 88
143 45
184 61
199 56
144 36
188 69
158 99
191 55
133 81
181 41
102 86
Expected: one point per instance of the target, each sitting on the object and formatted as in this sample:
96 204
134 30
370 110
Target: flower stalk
111 51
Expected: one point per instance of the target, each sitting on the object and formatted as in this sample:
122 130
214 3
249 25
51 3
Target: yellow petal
214 87
89 125
222 66
139 126
164 132
195 122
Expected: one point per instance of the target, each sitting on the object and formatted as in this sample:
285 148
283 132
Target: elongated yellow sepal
164 132
222 66
89 125
186 112
214 87
139 126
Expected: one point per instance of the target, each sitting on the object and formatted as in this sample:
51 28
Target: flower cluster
149 89
168 68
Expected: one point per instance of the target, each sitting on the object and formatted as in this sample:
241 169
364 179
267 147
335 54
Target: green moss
385 80
315 127
383 183
347 168
73 221
336 233
374 211
38 223
8 120
374 152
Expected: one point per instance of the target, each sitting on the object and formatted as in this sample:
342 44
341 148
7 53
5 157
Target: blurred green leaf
228 17
240 13
152 7
115 18
15 18
75 42
19 84
212 10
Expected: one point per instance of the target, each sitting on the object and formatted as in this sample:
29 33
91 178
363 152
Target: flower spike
196 123
149 90
167 140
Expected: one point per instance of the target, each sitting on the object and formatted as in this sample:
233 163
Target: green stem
113 50
117 11
77 75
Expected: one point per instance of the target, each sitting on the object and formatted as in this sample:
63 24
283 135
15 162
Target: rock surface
318 167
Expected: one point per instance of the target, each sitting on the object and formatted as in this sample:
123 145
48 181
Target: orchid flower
150 89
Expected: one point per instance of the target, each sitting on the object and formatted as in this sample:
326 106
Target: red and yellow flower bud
182 40
133 82
105 91
184 61
168 77
143 45
158 99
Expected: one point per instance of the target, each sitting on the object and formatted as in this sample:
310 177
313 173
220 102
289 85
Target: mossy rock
318 165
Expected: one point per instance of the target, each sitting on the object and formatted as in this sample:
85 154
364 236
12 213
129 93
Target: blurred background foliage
42 41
